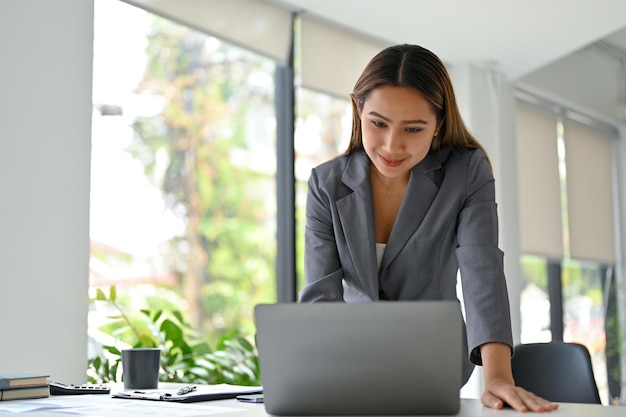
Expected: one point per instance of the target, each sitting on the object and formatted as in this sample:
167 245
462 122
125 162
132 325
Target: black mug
140 368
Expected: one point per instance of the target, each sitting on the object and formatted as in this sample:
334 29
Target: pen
186 390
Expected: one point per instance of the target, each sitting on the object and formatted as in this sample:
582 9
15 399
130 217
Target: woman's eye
414 129
377 123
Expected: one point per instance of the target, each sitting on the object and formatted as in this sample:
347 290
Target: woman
409 203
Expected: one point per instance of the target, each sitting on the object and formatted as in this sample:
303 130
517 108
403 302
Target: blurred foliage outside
583 299
211 151
206 150
186 356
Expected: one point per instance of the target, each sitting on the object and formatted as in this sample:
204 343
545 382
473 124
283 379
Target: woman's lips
390 162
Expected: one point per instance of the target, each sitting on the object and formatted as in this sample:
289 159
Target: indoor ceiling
518 37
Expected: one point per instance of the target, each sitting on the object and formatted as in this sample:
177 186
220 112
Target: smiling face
398 126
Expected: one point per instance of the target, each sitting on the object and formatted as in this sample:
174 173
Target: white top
380 251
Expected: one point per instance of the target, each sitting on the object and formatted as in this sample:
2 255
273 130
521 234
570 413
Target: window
323 126
567 233
183 195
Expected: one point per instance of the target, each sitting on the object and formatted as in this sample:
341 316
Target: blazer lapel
420 194
357 219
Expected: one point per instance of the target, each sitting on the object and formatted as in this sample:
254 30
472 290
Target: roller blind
333 59
539 186
254 24
589 193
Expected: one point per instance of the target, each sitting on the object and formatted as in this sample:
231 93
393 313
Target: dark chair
556 371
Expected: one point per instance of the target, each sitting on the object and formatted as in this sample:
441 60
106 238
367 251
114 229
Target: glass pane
534 302
183 171
584 312
323 126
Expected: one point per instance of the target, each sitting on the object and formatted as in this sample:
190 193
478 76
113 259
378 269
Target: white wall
45 129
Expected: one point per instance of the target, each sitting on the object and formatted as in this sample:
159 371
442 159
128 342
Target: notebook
380 358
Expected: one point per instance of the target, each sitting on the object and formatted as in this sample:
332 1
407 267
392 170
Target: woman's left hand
499 393
500 387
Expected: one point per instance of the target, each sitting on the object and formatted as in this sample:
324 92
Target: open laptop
380 358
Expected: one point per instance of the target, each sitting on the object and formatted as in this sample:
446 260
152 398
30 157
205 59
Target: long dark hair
418 68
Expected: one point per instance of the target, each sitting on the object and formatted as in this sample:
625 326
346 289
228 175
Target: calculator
59 388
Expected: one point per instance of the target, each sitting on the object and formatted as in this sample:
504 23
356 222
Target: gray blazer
447 222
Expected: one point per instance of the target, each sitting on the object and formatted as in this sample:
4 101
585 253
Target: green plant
185 356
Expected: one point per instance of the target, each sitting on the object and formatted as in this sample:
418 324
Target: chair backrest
556 371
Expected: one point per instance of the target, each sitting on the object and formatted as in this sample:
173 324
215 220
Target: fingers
491 401
534 403
518 399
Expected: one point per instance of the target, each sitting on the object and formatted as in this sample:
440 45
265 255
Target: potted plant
186 356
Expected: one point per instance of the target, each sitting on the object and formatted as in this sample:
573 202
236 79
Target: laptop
379 358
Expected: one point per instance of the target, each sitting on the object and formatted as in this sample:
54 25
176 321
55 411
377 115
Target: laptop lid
377 358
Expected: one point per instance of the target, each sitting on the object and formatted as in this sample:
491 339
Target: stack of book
14 386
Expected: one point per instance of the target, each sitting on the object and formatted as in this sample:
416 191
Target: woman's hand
500 388
499 393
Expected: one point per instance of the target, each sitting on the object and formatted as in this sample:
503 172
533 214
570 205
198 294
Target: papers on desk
199 393
20 407
105 406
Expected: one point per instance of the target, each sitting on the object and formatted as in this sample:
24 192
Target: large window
567 234
183 195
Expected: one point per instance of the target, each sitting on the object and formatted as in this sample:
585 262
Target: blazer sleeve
321 262
481 263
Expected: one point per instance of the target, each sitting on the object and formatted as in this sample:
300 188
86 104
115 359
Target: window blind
539 186
332 58
589 193
254 24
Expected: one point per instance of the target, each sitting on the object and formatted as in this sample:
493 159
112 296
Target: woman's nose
393 142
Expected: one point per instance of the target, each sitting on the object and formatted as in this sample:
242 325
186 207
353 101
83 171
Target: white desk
473 408
104 406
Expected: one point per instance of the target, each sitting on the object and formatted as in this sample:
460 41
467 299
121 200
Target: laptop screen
360 358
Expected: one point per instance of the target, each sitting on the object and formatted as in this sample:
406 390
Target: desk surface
104 406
